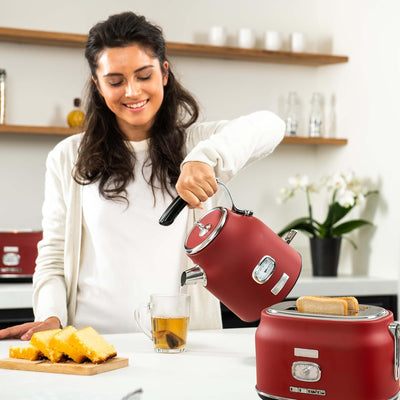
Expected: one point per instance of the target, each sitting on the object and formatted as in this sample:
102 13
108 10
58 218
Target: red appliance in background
314 356
18 252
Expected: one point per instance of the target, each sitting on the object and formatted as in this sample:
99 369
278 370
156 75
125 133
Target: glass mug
169 321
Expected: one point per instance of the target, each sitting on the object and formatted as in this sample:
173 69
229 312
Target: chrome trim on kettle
236 210
193 276
280 284
204 229
290 235
213 234
264 269
394 328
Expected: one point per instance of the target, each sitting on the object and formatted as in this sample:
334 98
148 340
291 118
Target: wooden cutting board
69 367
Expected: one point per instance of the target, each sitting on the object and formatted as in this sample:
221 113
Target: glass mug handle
138 318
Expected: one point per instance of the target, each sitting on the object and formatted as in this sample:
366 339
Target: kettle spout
193 276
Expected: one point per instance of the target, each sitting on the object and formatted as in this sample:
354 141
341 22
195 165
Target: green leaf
301 224
336 213
349 226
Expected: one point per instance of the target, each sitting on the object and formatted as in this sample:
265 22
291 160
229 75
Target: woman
103 251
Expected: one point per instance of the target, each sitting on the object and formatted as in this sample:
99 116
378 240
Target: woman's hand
25 331
196 183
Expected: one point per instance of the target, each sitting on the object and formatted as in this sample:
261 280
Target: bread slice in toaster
322 305
352 304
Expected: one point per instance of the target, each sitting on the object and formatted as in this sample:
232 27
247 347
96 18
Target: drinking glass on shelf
292 114
316 115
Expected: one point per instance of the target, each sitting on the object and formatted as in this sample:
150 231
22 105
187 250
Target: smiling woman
103 251
131 81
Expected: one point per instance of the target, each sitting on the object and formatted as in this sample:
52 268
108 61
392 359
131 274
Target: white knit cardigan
227 146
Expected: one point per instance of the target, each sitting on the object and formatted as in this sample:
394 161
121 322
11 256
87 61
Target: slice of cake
92 345
27 352
59 342
41 340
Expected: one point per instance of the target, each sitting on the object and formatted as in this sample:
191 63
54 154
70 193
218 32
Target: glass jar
292 114
2 96
316 115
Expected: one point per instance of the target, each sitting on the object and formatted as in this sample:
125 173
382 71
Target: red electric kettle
238 258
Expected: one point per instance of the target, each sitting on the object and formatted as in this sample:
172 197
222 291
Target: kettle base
266 396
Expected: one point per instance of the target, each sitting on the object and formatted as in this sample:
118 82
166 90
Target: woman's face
132 84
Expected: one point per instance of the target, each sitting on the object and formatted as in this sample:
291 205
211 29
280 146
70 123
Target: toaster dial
306 371
11 259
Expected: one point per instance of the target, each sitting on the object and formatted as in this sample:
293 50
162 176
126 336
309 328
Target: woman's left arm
223 148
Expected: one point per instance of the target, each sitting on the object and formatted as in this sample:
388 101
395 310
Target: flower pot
325 254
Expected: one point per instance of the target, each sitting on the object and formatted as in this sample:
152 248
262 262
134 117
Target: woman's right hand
25 331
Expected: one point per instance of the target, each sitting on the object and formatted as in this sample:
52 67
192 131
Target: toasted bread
27 352
41 340
322 305
92 345
352 304
59 342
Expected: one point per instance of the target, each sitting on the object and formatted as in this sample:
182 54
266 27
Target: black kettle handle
178 204
169 215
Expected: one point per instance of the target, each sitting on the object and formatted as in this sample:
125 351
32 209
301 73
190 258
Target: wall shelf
39 130
62 39
315 140
65 131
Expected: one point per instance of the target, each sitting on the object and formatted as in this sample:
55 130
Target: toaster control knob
11 259
306 371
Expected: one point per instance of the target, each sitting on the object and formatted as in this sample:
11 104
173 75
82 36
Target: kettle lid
206 230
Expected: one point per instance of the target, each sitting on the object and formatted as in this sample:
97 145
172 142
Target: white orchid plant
346 192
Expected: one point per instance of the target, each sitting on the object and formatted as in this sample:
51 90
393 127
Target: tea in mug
169 334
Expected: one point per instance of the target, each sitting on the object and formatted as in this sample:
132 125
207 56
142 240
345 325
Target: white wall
42 81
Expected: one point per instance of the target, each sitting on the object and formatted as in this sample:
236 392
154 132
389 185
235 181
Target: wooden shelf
39 130
48 38
236 53
62 39
314 140
59 130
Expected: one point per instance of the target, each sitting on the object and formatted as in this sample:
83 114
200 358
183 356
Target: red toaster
314 356
18 253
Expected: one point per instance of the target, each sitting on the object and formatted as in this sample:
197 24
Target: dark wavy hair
104 155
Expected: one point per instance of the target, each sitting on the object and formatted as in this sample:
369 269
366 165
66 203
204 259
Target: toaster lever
394 328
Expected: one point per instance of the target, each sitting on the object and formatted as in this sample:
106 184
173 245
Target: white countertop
217 365
19 295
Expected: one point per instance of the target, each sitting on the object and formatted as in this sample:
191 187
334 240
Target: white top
126 254
227 146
